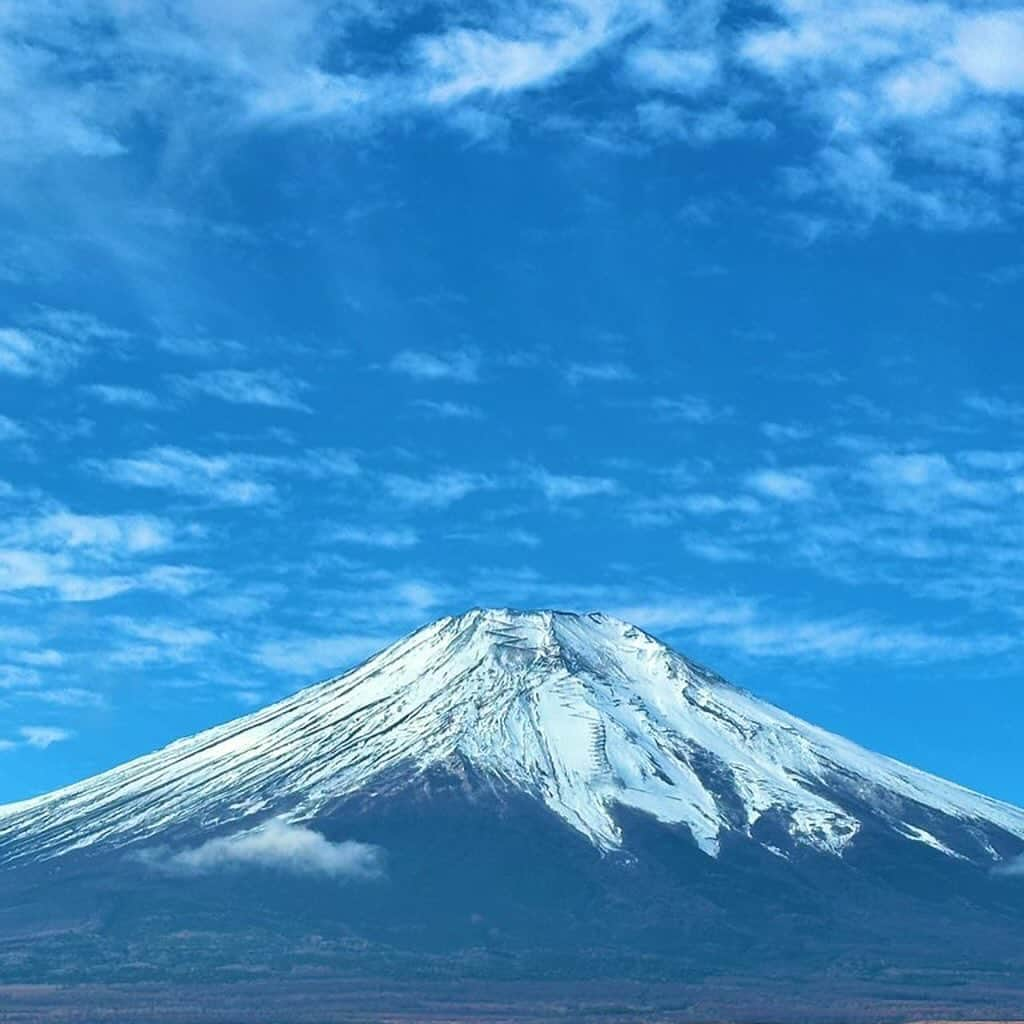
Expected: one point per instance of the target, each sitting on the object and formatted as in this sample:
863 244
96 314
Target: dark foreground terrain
498 913
362 1001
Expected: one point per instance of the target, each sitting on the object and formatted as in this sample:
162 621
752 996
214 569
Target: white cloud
903 109
741 625
785 432
82 558
43 736
688 408
536 46
48 343
678 613
377 536
912 101
418 597
577 373
566 487
449 410
1008 274
674 70
701 503
665 121
176 639
988 49
18 677
919 90
247 387
1012 867
111 534
927 477
307 655
788 485
43 658
507 536
713 550
230 478
11 430
994 406
848 640
37 570
226 479
439 490
133 398
25 353
463 365
277 845
70 697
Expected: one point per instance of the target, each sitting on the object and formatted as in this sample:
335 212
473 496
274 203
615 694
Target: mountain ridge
581 711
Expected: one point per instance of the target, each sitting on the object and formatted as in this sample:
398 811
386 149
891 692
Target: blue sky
319 321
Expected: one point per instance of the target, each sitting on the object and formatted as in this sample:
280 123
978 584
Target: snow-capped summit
585 713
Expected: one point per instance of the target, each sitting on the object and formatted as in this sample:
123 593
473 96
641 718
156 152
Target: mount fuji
522 794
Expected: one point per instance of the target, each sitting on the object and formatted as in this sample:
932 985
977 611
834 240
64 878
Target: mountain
530 794
584 713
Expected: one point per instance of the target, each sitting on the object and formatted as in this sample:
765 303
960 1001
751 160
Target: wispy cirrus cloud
48 343
524 49
29 353
608 373
226 479
558 487
311 654
438 490
11 430
462 365
449 410
159 641
26 570
744 625
103 535
786 433
43 736
688 409
393 539
269 388
995 407
122 395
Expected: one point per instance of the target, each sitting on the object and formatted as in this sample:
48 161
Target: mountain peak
582 712
538 638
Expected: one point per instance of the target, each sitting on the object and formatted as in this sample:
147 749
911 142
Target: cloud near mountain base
277 845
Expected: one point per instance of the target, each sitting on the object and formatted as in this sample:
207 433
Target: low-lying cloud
278 846
1012 868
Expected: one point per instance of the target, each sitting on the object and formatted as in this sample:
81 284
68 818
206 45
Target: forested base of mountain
341 1000
498 912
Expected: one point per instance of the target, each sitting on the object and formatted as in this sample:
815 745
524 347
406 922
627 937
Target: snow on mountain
584 712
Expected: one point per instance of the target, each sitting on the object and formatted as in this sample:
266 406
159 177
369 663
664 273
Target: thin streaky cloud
688 409
269 388
393 539
121 395
558 487
606 373
11 430
43 736
462 365
449 410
